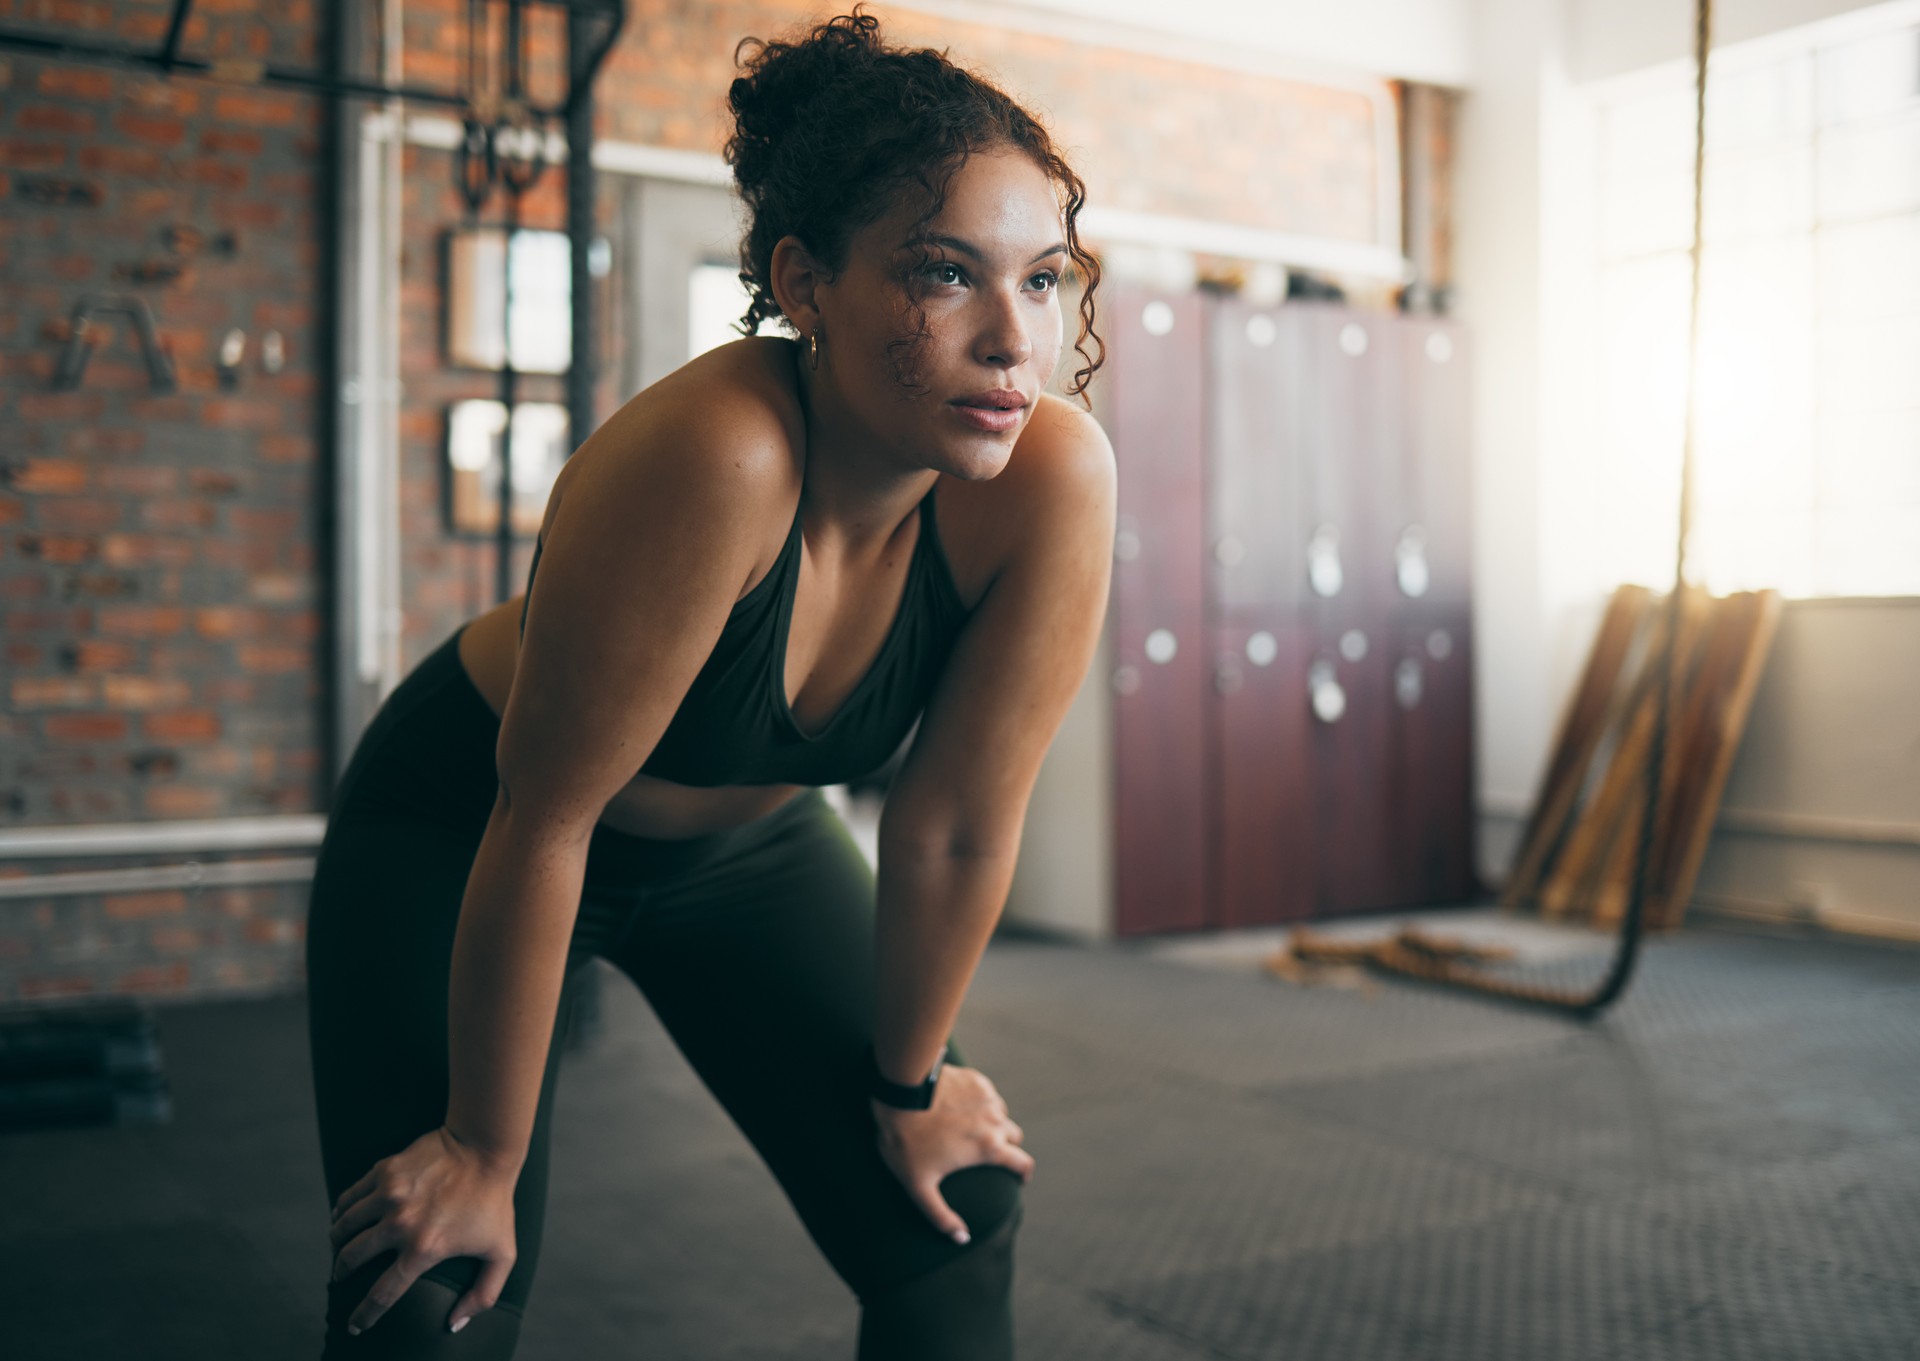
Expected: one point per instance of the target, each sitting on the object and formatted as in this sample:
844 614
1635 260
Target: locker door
1433 544
1346 419
1152 408
1432 775
1263 817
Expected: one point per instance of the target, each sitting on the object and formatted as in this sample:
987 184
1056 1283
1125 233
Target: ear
796 277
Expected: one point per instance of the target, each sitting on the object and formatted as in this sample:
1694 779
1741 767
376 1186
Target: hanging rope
1419 956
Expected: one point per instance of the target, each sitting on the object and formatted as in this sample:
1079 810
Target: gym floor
1231 1167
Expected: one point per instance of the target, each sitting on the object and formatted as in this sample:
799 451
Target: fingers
394 1282
485 1293
356 1191
1017 1159
926 1194
360 1215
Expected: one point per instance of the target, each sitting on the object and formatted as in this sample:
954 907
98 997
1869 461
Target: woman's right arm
658 532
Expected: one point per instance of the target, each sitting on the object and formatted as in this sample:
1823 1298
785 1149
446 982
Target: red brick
142 621
292 448
137 479
154 978
214 481
139 906
146 692
107 443
178 514
53 692
12 510
130 161
47 476
63 622
67 985
184 725
178 940
218 174
58 548
76 82
142 550
36 407
79 513
229 621
240 143
144 128
25 155
245 413
265 524
264 659
272 931
54 118
278 588
183 801
24 656
91 654
87 727
255 110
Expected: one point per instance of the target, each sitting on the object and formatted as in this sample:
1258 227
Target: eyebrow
966 248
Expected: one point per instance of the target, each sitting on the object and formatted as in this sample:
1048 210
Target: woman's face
988 270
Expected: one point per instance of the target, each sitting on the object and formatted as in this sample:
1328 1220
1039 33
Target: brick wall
159 559
158 554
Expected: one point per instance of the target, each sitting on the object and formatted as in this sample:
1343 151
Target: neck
854 492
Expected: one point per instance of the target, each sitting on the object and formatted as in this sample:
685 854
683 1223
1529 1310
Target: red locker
1153 401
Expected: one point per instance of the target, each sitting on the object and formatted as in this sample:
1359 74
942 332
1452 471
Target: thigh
761 968
385 903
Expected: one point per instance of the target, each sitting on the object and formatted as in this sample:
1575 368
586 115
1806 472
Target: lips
995 399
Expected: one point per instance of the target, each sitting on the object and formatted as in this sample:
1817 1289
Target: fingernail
461 1324
353 1330
962 1237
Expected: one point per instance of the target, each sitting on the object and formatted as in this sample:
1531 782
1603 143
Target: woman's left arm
950 832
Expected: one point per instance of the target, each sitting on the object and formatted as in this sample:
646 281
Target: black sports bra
734 726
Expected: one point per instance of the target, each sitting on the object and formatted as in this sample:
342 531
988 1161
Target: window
1808 460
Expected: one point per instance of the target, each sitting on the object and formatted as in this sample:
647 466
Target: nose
1004 340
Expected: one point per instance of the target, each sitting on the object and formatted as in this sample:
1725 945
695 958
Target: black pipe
583 372
170 53
278 77
332 646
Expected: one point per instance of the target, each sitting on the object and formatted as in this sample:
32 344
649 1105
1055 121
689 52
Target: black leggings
754 947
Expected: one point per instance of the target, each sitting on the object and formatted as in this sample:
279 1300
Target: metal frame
582 14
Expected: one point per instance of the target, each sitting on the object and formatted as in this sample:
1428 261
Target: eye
1050 280
934 272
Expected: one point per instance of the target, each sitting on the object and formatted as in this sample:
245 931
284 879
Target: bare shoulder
1056 490
724 422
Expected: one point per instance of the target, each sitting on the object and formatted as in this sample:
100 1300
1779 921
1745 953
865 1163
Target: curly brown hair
830 126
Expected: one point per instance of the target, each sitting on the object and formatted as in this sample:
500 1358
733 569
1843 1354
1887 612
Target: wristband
890 1093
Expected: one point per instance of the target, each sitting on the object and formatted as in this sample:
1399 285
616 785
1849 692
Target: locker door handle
1126 680
1409 683
1410 567
1324 572
1328 696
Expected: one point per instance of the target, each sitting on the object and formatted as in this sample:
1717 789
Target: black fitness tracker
890 1093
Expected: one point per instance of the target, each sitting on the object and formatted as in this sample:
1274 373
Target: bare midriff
646 806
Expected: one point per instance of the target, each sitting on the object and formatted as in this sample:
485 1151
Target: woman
750 582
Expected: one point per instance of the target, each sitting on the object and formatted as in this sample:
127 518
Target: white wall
1824 802
1425 40
1608 37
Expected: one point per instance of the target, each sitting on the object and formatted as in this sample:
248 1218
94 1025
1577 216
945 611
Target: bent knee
415 1328
987 1197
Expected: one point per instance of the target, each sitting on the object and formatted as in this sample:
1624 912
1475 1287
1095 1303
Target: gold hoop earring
813 348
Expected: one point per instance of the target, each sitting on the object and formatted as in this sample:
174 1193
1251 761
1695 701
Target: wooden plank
1756 617
1576 868
1582 726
